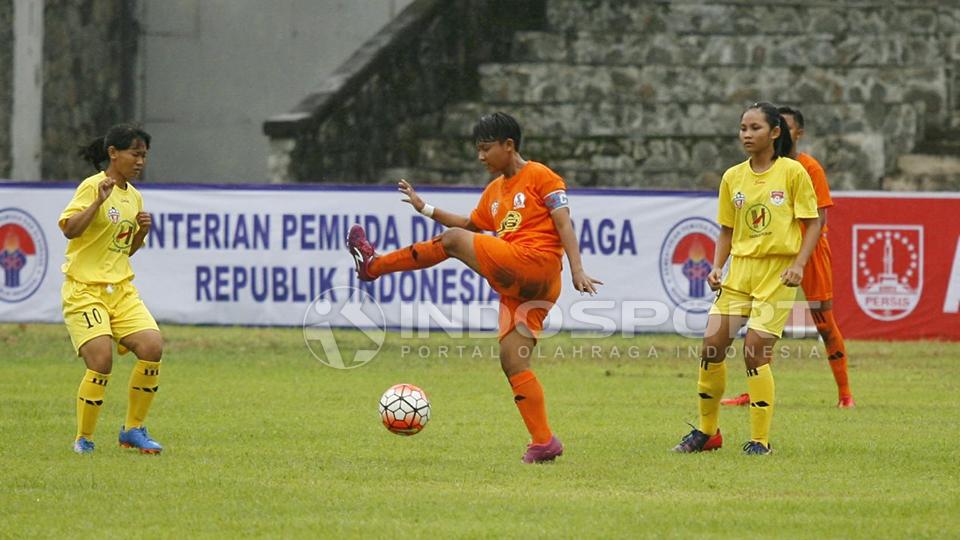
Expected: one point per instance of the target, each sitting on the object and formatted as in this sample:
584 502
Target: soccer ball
404 409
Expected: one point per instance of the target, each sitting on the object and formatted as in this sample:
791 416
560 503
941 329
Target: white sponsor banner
260 255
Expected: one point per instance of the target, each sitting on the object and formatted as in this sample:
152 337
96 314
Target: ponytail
94 153
783 146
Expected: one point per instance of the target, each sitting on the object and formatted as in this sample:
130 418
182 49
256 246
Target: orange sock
528 395
414 257
836 350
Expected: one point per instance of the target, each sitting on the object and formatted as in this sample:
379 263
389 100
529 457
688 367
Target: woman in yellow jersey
762 203
106 225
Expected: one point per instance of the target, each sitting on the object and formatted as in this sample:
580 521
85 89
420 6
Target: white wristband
427 210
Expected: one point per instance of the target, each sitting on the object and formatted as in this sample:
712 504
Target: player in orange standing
526 205
818 275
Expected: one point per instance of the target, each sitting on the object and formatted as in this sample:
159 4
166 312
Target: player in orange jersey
818 275
527 207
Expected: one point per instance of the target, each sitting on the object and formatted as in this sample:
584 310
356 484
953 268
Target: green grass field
263 440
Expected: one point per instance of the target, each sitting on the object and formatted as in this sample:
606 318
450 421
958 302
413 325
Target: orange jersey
518 209
819 177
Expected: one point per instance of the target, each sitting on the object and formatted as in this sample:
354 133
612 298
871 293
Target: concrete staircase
648 94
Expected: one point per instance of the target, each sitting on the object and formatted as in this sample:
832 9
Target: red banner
896 265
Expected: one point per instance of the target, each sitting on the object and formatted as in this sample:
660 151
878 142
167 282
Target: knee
452 239
100 361
513 362
713 353
151 350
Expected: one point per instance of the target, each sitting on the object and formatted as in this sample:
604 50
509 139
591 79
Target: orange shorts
527 281
818 274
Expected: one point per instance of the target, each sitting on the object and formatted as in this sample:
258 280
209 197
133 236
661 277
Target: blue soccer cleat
139 438
698 441
83 446
755 448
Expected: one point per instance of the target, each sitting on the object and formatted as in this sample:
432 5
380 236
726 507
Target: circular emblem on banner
887 269
686 258
23 255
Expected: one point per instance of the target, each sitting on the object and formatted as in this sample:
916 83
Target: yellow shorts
95 309
753 289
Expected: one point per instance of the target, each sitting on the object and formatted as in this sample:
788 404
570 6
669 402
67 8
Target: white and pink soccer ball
404 409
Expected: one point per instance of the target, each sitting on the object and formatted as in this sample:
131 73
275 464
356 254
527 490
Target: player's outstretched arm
581 281
447 219
724 240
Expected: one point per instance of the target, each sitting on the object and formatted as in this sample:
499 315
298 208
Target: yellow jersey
762 209
102 253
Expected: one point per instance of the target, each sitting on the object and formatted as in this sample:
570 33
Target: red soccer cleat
739 401
361 251
846 402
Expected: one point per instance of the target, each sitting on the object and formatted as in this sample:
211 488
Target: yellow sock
761 387
710 385
89 399
143 386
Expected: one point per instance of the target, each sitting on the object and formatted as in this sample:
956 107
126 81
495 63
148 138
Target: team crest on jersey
739 199
23 255
887 269
686 258
510 222
114 215
519 200
123 236
757 217
493 208
776 197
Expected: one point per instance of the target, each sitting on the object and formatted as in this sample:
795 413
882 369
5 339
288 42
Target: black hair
795 113
499 127
784 144
120 136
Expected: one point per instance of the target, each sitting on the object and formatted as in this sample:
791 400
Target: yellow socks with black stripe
761 387
143 386
710 385
89 400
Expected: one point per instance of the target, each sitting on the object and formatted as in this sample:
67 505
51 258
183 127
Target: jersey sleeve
552 190
481 214
805 200
85 195
726 213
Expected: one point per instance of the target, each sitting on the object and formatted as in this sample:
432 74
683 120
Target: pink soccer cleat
361 251
542 453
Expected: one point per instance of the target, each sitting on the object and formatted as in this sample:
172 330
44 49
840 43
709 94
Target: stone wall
89 55
377 107
648 93
6 88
